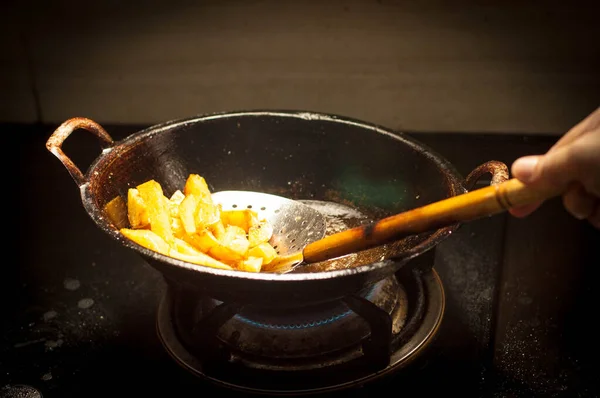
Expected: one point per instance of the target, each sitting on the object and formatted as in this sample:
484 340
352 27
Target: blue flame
305 325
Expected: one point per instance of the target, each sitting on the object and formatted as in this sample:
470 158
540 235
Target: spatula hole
263 208
234 206
249 206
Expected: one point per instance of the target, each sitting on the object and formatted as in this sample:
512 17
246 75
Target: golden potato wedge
177 197
260 233
244 219
196 185
158 212
184 247
217 229
137 210
235 239
203 240
116 210
207 214
251 264
174 202
177 228
232 247
199 258
187 213
148 239
225 254
263 250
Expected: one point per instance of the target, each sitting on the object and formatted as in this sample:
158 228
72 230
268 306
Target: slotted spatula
299 230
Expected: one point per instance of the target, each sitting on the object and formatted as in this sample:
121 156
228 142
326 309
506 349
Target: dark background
463 66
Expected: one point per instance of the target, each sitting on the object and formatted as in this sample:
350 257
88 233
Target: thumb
524 168
550 170
555 169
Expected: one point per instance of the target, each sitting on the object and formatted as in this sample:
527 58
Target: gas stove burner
320 348
301 338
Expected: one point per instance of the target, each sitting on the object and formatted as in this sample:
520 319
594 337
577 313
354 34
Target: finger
524 168
523 211
589 123
577 162
594 219
579 202
560 168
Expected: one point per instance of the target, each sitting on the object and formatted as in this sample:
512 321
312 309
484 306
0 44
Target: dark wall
474 66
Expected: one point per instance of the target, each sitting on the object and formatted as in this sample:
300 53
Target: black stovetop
79 311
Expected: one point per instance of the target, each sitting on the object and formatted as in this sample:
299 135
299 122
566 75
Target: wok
299 155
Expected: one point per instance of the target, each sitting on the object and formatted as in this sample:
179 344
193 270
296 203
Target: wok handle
469 206
497 169
58 137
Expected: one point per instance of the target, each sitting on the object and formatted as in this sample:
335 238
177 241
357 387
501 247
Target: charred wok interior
324 326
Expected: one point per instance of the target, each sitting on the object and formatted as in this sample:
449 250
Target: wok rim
454 179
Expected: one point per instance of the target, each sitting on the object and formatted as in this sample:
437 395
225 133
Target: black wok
299 155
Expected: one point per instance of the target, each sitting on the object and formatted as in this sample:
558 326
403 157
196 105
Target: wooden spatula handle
465 207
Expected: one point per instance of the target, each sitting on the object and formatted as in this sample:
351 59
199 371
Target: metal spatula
299 230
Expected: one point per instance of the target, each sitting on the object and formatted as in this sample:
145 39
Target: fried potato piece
263 250
196 185
251 264
235 239
225 254
148 239
198 258
137 210
177 228
207 214
174 202
217 229
184 247
244 219
232 247
189 226
260 233
203 240
187 213
158 212
177 197
116 210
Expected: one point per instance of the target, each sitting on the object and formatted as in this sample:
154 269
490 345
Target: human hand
571 165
